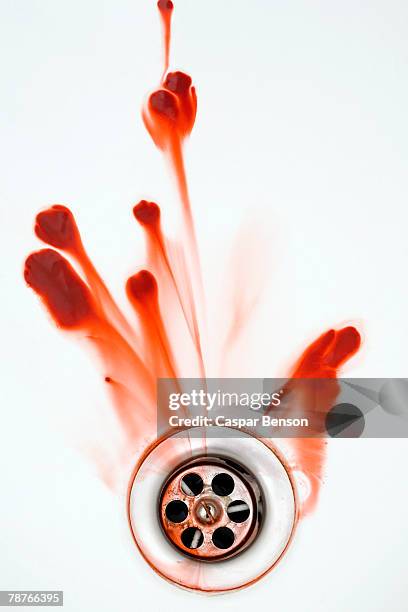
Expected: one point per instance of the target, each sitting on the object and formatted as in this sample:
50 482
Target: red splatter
57 227
169 117
148 214
321 361
171 111
81 302
63 292
328 353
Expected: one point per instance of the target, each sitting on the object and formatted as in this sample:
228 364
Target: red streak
148 215
57 226
166 9
71 304
169 117
142 292
321 360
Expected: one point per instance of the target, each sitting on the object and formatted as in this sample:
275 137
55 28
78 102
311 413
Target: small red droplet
164 103
147 213
142 285
178 82
56 226
165 5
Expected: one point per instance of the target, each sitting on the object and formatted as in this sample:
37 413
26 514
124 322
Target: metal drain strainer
211 508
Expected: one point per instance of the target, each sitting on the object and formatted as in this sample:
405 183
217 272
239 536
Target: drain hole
192 484
223 484
176 511
238 511
223 538
192 537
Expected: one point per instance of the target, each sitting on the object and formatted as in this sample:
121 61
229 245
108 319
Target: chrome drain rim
279 515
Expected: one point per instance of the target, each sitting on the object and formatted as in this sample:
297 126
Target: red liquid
322 359
132 361
166 9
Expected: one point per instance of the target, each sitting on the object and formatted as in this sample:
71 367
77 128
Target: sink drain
211 514
211 508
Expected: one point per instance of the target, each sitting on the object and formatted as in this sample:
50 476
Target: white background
302 134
